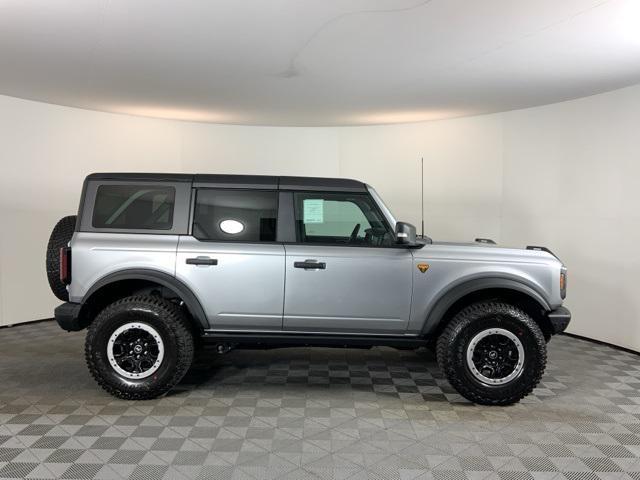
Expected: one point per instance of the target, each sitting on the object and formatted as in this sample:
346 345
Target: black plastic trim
538 248
263 182
83 196
321 184
241 181
559 319
472 285
286 224
310 265
191 301
135 176
202 261
68 316
312 339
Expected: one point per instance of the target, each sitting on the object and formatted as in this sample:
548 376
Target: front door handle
310 265
202 261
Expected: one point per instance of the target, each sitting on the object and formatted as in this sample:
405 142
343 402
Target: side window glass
134 207
340 219
235 215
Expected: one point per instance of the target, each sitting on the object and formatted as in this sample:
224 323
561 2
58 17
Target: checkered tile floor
314 413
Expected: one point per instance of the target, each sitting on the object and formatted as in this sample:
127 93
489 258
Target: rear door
345 273
232 262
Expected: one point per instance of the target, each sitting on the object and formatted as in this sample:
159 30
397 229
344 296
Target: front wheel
139 347
492 353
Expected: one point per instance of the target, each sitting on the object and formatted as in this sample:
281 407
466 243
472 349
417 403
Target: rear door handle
310 265
202 261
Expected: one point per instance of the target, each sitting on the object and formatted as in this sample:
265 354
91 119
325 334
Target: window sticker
313 210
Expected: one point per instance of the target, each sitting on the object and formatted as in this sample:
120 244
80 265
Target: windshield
385 210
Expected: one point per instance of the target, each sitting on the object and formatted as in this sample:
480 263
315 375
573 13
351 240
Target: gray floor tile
315 414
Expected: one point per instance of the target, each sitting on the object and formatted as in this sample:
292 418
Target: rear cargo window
235 215
134 207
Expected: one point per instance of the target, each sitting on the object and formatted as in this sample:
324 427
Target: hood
488 243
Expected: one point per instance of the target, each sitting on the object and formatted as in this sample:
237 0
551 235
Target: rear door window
134 207
235 215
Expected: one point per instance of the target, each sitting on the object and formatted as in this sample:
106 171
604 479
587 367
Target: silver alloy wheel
495 356
135 350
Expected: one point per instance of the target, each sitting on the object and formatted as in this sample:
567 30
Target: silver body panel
96 255
451 265
362 290
244 291
255 286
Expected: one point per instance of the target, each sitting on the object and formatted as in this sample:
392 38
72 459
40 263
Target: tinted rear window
134 207
236 215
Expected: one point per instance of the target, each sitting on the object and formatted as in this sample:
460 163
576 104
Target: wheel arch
509 290
126 282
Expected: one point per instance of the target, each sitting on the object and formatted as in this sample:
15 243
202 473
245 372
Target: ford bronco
158 265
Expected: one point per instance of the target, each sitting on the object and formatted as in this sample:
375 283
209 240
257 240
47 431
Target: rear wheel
139 347
492 353
60 237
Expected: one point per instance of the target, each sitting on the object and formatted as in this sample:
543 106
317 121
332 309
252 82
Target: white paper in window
313 210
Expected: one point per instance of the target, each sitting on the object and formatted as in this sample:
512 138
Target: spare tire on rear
60 237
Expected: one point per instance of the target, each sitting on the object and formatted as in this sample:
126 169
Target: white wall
572 182
462 165
47 150
564 175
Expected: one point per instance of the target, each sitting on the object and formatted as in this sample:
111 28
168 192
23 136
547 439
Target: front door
231 262
345 273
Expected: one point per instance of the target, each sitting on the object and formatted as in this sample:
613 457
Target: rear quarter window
134 207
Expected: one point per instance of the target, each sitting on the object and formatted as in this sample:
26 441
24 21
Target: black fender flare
183 291
467 286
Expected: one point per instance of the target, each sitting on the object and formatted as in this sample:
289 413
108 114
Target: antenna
422 194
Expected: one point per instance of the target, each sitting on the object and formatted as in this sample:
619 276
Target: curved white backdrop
565 175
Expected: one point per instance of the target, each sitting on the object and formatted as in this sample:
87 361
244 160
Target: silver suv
158 265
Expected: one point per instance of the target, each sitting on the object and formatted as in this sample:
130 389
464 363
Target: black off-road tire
60 237
452 347
163 316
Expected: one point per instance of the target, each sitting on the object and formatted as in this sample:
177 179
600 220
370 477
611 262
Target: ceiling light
168 113
232 227
406 116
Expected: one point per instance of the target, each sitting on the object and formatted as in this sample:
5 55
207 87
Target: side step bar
276 340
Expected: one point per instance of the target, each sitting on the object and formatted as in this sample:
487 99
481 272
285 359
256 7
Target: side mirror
405 234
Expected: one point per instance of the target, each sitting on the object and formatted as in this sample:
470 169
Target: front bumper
559 319
68 316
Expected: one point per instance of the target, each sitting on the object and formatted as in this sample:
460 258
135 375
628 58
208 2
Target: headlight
563 282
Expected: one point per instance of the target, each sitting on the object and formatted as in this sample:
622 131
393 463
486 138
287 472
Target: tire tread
60 237
178 325
445 353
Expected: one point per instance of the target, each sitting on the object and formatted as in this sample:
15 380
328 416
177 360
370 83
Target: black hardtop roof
241 181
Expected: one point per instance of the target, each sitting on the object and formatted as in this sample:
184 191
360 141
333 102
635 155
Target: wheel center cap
493 354
137 348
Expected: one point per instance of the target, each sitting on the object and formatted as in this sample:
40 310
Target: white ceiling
315 62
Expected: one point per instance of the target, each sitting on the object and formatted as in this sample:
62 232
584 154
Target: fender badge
423 267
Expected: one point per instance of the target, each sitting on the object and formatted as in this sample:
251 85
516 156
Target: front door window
340 219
